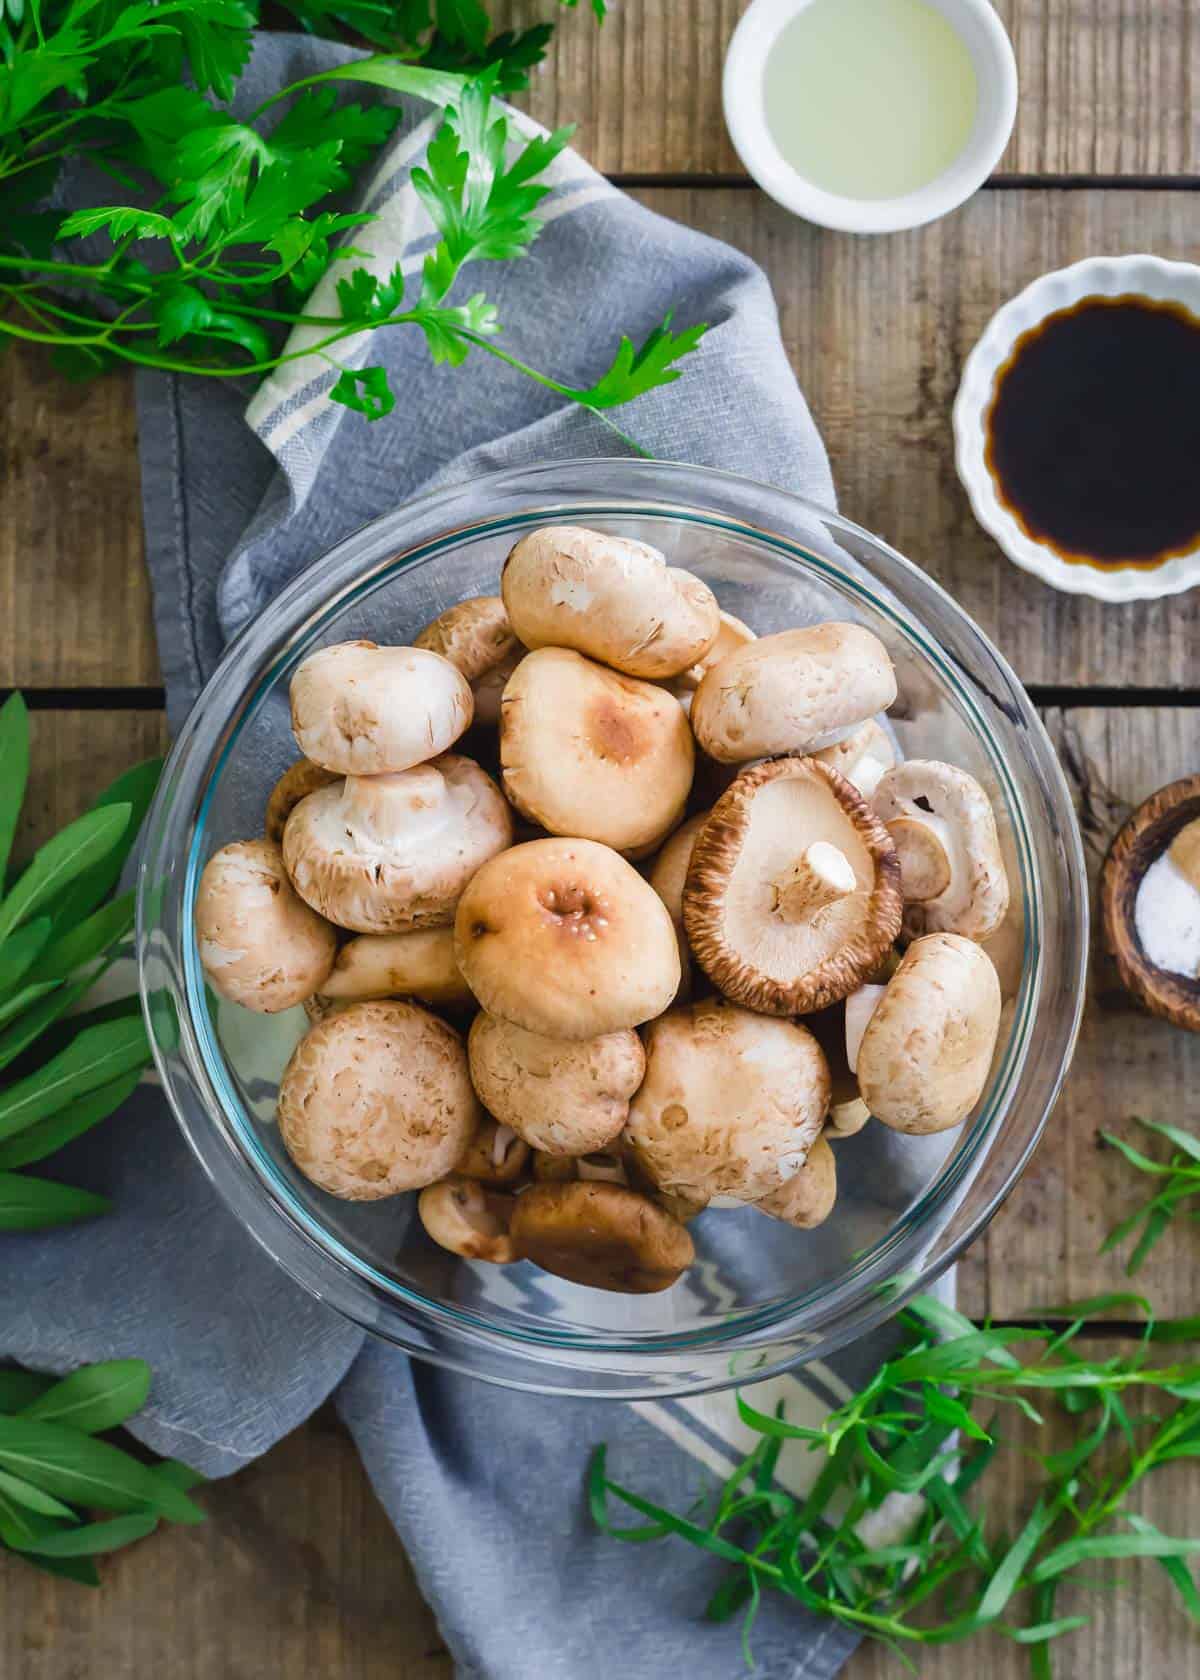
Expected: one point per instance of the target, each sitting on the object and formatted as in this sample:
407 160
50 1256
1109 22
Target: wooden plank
1107 86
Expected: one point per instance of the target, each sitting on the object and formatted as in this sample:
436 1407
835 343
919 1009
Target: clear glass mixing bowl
761 1295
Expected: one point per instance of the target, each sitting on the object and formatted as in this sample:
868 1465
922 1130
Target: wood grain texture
1107 86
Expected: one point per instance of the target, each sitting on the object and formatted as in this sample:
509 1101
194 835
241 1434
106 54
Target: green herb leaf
82 843
86 941
93 1539
21 950
119 222
88 1472
32 1498
96 1397
19 1388
135 788
14 771
32 1204
366 391
35 1143
636 370
95 1057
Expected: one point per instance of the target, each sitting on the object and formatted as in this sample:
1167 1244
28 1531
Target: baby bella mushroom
731 1103
602 1235
807 1199
477 639
591 753
792 895
259 943
469 1220
928 1044
952 872
363 710
612 598
562 1096
863 757
795 691
377 1099
419 964
564 938
667 878
390 853
296 783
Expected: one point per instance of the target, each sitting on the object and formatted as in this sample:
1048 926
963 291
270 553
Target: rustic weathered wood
1107 86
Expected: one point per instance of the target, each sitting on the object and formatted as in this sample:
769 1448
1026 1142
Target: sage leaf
80 1570
32 1204
96 1397
19 1526
14 771
21 950
134 788
48 1136
83 842
91 1539
86 941
86 1471
20 1001
45 1004
32 1498
93 1058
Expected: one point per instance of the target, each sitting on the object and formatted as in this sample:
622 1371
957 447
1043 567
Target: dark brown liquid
1093 438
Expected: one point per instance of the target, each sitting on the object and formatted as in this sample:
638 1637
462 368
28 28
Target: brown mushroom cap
382 965
610 597
477 639
377 1099
259 943
601 1235
591 753
792 692
495 1155
469 1219
730 1104
667 878
863 756
563 1096
808 1196
387 854
952 872
563 937
296 783
927 1048
769 917
363 710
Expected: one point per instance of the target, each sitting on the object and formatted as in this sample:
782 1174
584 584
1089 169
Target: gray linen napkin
484 1486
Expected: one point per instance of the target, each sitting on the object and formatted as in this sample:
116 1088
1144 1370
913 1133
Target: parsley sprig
224 228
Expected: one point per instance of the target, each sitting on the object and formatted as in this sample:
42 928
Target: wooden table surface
298 1572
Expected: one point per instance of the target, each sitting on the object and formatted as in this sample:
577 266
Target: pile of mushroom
572 1045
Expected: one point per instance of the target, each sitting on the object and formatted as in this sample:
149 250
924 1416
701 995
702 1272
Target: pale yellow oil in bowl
870 98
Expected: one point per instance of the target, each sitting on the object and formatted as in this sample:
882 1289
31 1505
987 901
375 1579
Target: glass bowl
761 1295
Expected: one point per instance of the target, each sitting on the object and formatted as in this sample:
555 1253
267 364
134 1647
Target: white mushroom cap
610 597
477 639
795 691
593 754
925 1054
733 634
792 896
563 937
259 944
363 710
386 854
563 1096
862 757
296 783
952 872
381 965
469 1220
377 1099
731 1102
808 1197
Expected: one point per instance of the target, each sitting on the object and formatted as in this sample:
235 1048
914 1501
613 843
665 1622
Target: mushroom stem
924 858
379 807
820 876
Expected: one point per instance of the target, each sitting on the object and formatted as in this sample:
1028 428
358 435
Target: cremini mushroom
733 634
563 1096
363 710
592 753
377 1099
952 872
863 757
792 894
419 964
477 639
667 878
495 1155
296 783
601 1235
553 1169
808 1197
469 1219
848 1113
612 598
795 691
928 1044
390 853
563 937
259 943
730 1104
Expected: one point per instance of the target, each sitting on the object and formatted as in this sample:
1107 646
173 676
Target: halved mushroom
495 1155
601 1235
610 597
863 757
591 753
928 1044
382 965
795 691
792 896
563 1096
469 1219
730 1104
363 710
296 783
808 1197
952 872
377 1099
477 639
563 937
258 942
390 853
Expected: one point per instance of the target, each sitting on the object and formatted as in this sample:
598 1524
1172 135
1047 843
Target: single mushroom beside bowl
363 710
562 1096
260 944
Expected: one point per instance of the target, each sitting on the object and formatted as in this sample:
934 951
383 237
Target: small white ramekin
745 117
1145 276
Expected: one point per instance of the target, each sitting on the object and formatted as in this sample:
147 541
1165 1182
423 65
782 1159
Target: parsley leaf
635 371
366 391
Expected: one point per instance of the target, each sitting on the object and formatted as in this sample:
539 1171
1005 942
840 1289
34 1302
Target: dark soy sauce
1094 431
